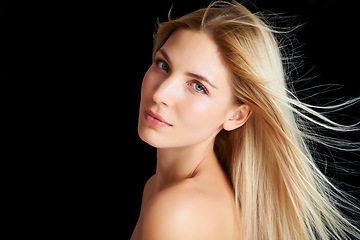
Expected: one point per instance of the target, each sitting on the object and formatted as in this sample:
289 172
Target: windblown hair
280 192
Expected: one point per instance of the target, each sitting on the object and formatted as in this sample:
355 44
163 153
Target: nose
166 92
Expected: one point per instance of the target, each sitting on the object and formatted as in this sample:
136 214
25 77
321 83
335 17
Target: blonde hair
280 192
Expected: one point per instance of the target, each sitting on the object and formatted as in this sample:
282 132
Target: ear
237 117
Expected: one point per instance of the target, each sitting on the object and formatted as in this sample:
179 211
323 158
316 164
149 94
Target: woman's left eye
199 87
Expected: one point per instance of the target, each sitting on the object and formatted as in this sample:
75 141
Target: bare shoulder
182 211
149 189
147 195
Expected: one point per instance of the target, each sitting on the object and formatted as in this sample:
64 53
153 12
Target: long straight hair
280 192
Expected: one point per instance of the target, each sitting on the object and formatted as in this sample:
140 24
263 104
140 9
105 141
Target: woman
232 154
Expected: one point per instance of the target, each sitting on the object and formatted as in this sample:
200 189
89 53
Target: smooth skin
190 196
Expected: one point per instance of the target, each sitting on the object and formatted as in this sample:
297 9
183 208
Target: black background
71 75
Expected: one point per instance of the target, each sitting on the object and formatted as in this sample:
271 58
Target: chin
154 141
156 137
151 136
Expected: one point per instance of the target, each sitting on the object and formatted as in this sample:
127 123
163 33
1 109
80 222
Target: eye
198 87
162 65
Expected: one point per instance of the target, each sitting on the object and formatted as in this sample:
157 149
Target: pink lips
155 119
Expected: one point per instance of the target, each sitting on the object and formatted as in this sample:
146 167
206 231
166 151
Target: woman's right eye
162 65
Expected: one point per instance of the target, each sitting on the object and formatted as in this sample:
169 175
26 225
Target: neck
176 164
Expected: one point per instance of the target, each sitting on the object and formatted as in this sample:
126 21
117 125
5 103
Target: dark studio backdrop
74 71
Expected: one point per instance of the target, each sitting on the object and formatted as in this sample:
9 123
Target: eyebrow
201 78
165 55
197 76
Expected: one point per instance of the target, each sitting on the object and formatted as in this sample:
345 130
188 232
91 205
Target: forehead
194 51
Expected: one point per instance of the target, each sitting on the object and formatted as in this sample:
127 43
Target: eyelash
204 90
158 63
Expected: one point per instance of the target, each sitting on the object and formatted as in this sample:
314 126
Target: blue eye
199 87
162 65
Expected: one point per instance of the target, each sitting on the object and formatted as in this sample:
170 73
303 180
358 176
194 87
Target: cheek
146 83
203 116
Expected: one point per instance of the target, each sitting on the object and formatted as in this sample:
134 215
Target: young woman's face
186 93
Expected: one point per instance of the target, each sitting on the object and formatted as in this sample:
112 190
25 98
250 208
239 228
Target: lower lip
155 122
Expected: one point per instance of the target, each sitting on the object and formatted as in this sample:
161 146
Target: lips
155 119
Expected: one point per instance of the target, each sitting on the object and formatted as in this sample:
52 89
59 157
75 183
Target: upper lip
156 116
